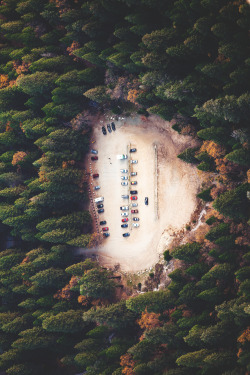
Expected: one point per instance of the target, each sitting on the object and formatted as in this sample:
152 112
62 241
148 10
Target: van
99 199
121 157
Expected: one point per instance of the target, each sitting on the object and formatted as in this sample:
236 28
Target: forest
61 60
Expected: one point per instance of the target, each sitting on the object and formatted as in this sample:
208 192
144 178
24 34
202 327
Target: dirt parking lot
170 185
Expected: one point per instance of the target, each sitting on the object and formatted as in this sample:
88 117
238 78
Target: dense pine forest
60 61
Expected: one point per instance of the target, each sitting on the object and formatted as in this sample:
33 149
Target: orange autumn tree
18 157
245 336
133 95
149 320
213 149
4 81
128 364
66 293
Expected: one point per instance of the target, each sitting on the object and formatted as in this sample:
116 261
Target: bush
167 256
205 195
188 155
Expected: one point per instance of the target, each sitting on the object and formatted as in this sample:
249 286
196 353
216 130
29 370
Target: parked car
104 131
100 211
134 204
103 222
113 125
146 201
133 191
99 199
105 229
97 187
134 211
124 208
94 151
100 206
124 170
109 128
124 214
133 182
94 157
124 183
134 198
125 196
106 234
136 218
133 150
121 157
95 175
126 234
136 225
124 220
133 174
124 225
124 177
133 161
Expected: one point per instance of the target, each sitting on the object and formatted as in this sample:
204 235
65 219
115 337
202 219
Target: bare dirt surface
170 185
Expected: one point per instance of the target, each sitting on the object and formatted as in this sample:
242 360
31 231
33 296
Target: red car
105 229
94 157
134 198
124 220
134 211
95 175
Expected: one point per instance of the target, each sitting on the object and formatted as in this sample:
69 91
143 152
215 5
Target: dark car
133 192
100 206
94 157
95 175
103 222
146 201
109 128
106 234
134 211
104 131
126 234
133 150
101 210
136 218
113 125
124 225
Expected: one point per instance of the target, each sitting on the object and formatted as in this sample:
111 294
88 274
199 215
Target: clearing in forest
170 185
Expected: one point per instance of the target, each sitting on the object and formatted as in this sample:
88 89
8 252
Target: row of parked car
100 205
125 181
109 127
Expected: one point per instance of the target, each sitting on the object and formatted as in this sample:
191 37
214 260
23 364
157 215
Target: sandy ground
172 194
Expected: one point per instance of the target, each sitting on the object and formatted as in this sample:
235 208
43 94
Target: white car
136 225
124 208
124 214
133 161
124 183
133 174
134 204
121 157
124 177
124 170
